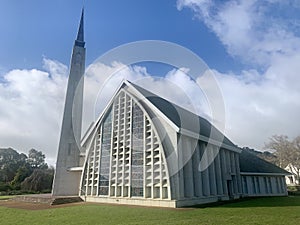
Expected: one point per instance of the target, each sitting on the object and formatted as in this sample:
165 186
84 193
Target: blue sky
252 47
33 29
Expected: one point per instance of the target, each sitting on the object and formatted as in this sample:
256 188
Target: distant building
145 150
293 178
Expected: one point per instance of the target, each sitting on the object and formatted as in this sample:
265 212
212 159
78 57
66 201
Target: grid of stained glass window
137 153
105 155
125 158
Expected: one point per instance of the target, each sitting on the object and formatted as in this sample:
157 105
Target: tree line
21 173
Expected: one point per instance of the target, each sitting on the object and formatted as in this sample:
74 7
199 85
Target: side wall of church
263 185
207 173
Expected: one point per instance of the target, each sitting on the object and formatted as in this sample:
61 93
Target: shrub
4 187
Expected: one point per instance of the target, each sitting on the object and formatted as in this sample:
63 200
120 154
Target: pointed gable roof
181 117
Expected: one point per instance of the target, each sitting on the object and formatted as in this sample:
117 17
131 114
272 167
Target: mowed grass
6 197
274 210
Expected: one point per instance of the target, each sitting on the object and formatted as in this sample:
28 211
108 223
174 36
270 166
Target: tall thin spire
67 179
80 35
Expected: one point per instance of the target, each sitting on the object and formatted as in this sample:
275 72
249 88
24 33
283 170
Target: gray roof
181 117
250 163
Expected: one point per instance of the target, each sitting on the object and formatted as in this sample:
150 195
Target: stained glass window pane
137 153
105 155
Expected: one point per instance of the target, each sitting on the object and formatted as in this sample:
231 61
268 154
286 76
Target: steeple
67 176
80 35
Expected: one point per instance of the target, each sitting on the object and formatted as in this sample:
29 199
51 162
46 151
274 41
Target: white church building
145 150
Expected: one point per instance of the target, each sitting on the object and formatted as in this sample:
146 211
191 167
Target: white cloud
32 100
250 30
101 82
258 109
258 104
31 108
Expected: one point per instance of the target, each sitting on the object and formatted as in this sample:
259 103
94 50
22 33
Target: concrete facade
67 178
263 184
169 170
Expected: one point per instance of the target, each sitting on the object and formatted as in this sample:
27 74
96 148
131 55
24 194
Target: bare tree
287 152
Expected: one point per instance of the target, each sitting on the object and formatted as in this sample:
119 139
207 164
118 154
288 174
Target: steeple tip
80 35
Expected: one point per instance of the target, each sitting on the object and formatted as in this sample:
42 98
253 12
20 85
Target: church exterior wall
108 176
172 169
219 180
263 185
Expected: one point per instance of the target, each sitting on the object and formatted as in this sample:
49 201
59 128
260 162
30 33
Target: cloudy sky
252 47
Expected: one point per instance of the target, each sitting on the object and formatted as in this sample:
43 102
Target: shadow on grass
255 202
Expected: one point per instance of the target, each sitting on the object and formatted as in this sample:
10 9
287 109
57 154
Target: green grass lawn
6 197
275 210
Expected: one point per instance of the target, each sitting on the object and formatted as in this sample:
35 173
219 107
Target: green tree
17 171
10 161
